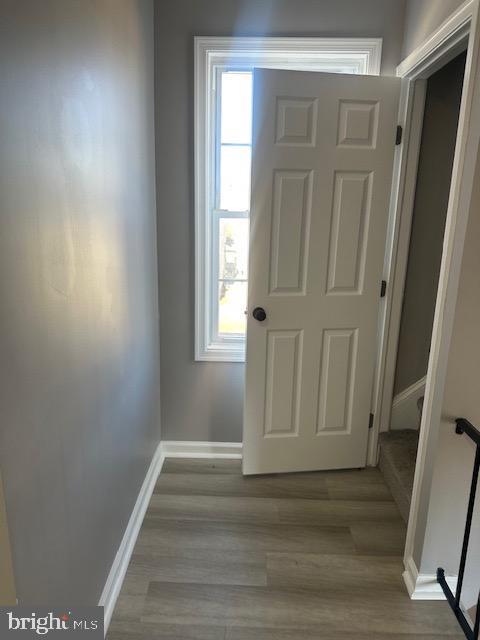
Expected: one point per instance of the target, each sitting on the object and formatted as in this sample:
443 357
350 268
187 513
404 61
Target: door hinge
370 420
398 137
383 288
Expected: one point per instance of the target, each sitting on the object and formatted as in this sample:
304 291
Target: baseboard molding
405 414
170 449
192 449
117 573
424 586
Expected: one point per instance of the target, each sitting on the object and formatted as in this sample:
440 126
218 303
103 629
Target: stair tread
398 453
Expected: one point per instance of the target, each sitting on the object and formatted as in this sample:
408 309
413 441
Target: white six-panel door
321 177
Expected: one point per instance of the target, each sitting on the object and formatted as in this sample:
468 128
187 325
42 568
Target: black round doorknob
259 314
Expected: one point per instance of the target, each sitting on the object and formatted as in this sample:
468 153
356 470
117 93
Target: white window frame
337 55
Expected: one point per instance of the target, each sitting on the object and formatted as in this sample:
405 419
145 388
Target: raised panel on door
296 121
337 379
349 231
358 123
290 226
321 173
283 380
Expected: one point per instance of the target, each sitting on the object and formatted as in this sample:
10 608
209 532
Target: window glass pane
235 178
233 249
231 308
236 108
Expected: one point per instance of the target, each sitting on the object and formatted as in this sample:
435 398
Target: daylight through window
234 156
224 70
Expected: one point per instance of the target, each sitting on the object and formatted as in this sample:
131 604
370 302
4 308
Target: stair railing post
468 526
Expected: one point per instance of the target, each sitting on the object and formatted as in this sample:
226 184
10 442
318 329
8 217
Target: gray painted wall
203 401
422 17
440 527
79 318
444 92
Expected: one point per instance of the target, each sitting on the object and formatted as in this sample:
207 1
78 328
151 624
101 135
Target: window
223 152
232 200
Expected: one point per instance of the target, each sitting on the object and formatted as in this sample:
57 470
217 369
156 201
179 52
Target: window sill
221 353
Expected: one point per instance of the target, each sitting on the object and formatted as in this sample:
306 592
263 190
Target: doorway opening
398 445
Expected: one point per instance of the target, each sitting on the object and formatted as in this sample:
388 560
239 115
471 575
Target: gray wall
79 317
203 401
440 527
444 92
8 594
422 17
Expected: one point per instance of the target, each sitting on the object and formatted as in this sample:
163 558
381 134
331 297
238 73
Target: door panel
321 174
284 352
337 379
348 240
290 225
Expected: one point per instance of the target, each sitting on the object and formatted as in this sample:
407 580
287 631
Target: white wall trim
423 586
433 53
170 449
438 49
405 413
462 27
412 100
192 449
445 42
350 55
466 154
428 58
119 567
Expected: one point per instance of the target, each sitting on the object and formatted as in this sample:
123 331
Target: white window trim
359 55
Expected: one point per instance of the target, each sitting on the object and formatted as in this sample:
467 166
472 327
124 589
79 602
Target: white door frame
438 49
441 47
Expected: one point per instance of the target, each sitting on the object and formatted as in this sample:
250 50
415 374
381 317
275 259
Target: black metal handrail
464 426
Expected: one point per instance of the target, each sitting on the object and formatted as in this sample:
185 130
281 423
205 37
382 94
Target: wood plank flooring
289 557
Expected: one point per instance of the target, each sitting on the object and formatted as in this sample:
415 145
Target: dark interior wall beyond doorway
78 317
204 400
444 90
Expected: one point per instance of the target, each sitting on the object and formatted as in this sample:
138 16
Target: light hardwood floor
289 557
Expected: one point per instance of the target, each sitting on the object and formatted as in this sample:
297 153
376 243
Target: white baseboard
405 414
165 449
192 449
424 586
117 573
